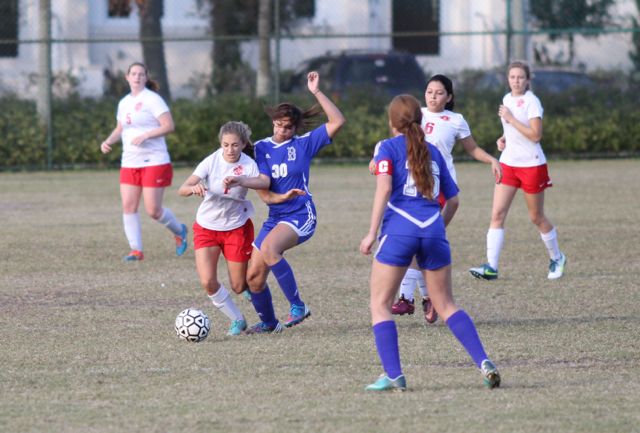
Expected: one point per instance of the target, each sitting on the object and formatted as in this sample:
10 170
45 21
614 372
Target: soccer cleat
484 272
430 313
133 256
556 267
247 295
181 241
491 377
263 328
297 314
237 326
384 383
403 306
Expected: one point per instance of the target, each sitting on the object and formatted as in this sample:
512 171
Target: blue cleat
491 377
556 267
385 384
247 295
297 314
181 241
237 327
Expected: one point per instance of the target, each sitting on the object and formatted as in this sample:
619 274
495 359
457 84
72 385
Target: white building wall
187 61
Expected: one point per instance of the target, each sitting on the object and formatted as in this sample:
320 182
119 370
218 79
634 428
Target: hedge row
581 124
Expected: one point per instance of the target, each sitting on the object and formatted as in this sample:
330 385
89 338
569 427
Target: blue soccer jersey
287 164
408 212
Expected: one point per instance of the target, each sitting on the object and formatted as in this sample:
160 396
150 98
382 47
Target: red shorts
155 176
235 244
532 180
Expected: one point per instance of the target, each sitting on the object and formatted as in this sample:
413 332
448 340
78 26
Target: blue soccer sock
461 325
284 275
386 335
263 305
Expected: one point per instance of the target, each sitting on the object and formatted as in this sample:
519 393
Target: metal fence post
45 75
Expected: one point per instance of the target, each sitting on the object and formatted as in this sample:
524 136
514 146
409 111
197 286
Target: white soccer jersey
443 130
519 150
220 210
137 115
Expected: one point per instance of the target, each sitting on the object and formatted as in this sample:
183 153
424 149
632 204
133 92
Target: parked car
543 80
386 73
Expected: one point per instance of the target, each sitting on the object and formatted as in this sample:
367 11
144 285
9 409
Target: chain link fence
196 49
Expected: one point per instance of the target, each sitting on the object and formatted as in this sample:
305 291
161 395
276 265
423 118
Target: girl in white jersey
523 166
143 120
223 222
443 128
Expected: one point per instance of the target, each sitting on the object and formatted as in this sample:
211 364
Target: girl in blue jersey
410 174
285 158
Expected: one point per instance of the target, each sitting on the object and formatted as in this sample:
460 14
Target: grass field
88 342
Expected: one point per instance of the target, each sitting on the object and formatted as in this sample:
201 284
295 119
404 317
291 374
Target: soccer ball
192 325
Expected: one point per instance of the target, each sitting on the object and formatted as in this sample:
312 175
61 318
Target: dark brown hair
150 84
405 116
299 118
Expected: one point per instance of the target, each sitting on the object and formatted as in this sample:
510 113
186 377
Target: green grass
88 342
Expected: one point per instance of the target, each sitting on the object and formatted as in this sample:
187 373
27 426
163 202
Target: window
9 28
416 16
119 8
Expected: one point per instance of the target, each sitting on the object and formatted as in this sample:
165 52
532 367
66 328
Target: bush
581 124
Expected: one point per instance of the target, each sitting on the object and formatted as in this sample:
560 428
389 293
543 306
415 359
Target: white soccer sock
132 230
408 284
224 303
551 242
170 221
422 284
495 239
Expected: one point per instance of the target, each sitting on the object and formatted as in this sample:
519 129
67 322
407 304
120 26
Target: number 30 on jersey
279 170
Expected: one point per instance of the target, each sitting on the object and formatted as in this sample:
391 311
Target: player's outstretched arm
259 182
335 118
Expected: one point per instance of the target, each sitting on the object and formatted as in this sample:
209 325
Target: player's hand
313 82
137 141
105 147
372 166
497 170
293 193
199 189
231 181
367 243
505 113
501 143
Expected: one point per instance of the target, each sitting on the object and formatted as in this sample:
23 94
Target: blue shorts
303 223
398 250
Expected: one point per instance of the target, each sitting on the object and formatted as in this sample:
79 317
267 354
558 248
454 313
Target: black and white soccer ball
192 325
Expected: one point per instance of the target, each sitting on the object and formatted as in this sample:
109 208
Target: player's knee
255 282
154 213
238 286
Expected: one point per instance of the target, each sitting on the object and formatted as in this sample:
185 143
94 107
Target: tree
634 55
234 21
150 13
558 16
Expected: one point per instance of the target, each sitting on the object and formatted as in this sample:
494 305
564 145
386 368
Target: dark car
384 73
543 80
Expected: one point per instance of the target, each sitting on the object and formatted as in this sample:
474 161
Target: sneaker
237 326
296 315
133 256
385 384
181 241
430 313
491 376
556 267
263 328
484 272
403 306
